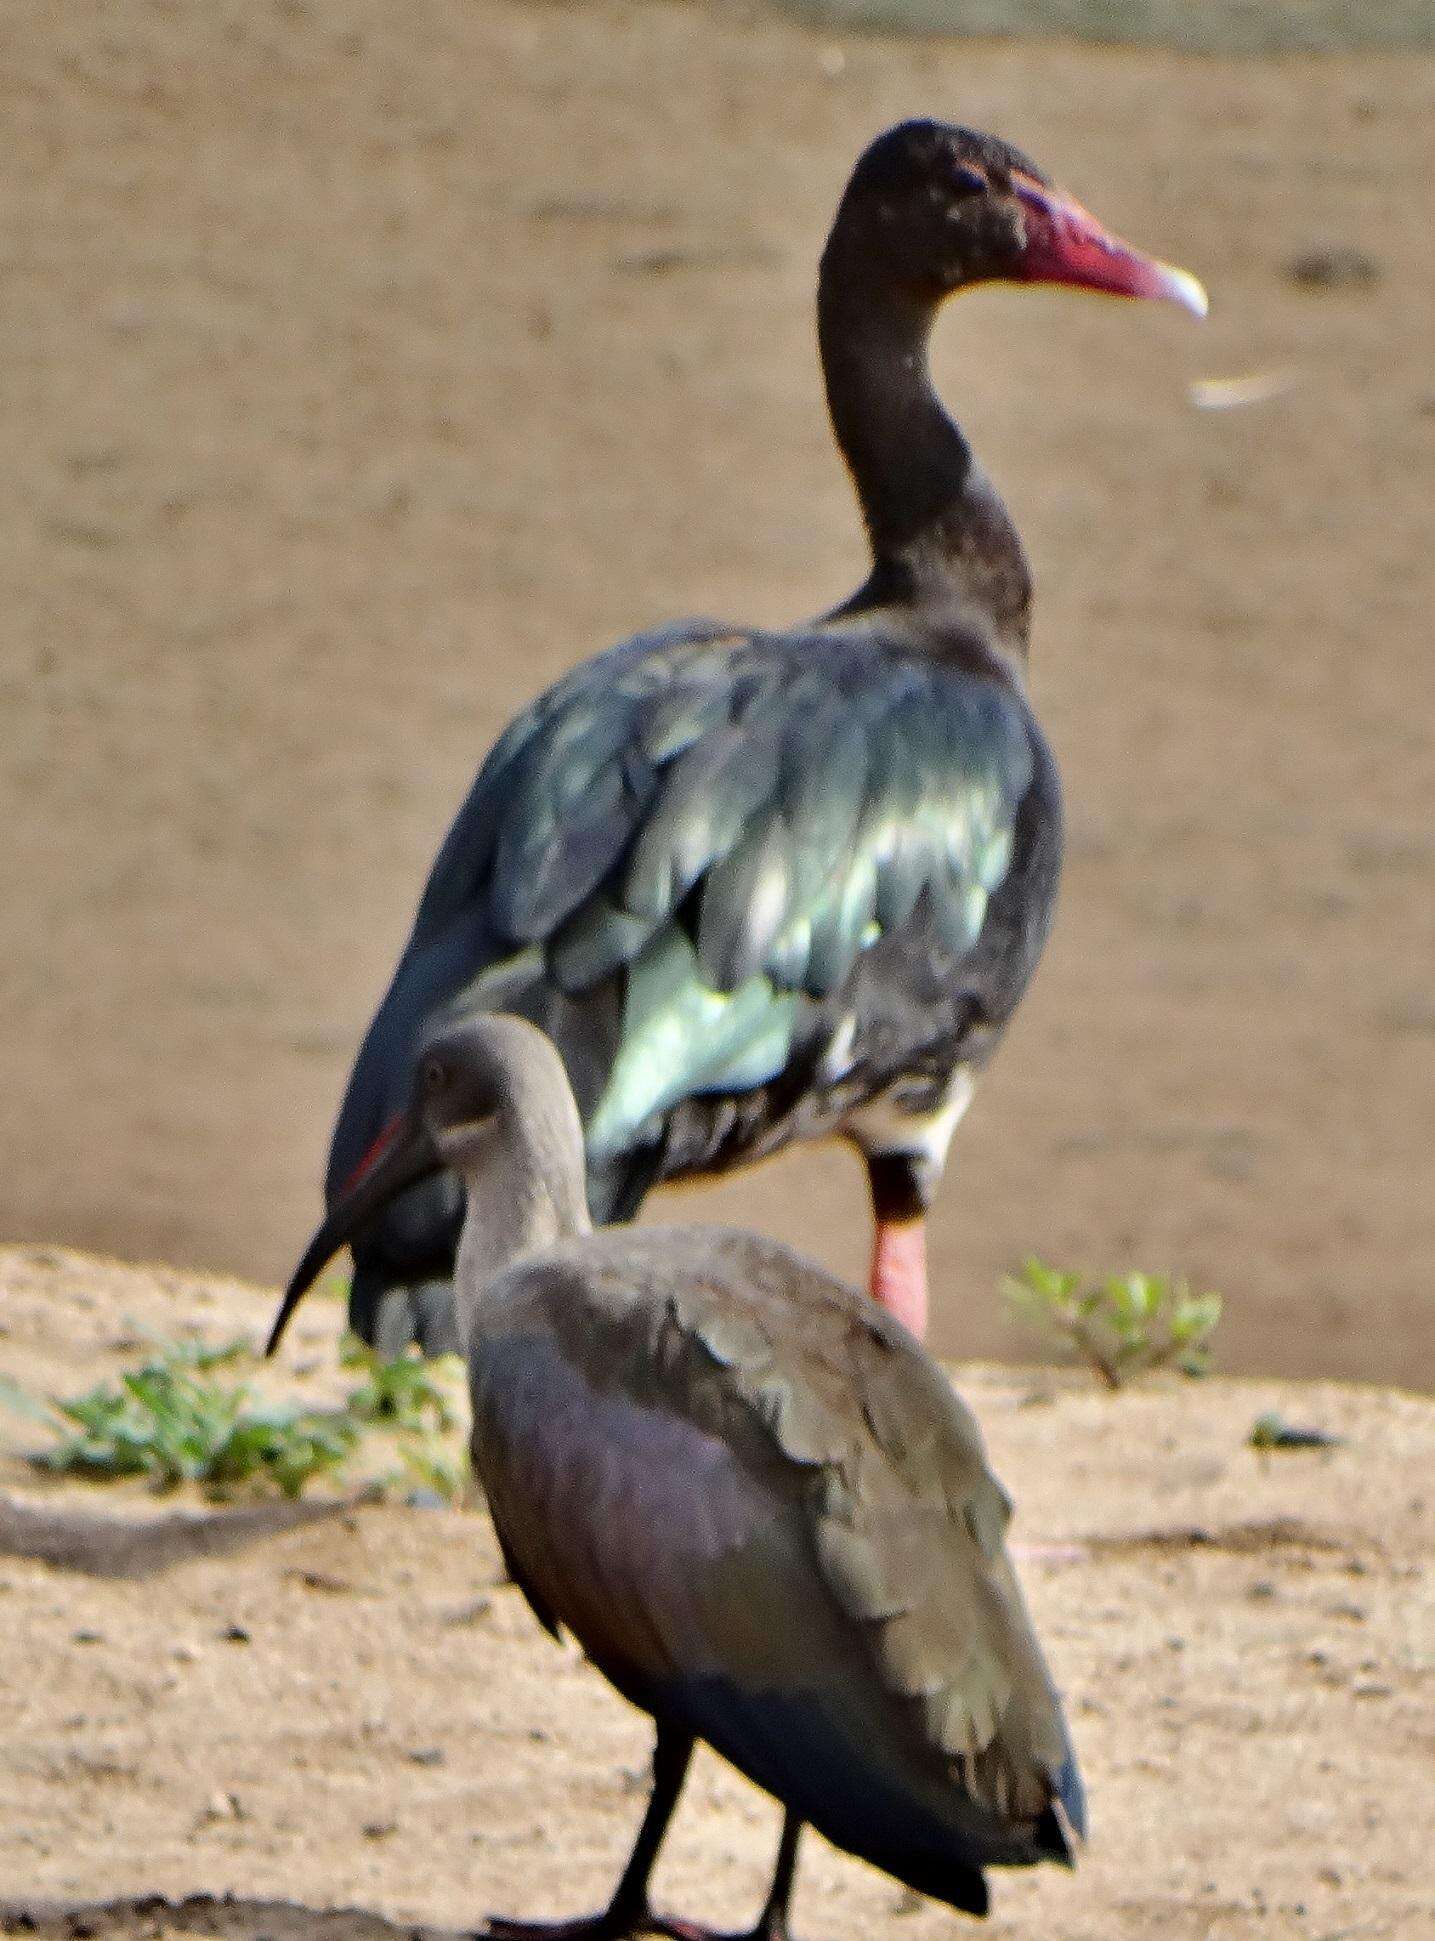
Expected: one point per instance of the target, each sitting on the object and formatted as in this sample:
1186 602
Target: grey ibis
748 1493
761 886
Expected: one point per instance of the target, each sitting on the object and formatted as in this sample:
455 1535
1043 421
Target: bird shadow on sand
142 1544
219 1916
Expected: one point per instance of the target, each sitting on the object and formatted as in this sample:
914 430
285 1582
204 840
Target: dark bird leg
628 1912
771 1924
899 1239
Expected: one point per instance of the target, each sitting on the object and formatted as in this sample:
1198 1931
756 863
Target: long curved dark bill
401 1160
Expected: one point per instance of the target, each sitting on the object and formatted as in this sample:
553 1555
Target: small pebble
235 1634
427 1756
475 1613
320 1580
380 1829
1036 1398
1333 266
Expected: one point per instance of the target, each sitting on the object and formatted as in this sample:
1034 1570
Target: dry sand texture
1247 1642
366 366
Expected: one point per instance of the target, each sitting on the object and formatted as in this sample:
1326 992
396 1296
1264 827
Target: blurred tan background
366 366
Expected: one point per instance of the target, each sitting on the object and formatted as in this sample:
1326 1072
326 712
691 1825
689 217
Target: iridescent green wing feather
731 821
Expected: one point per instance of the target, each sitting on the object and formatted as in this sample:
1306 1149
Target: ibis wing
906 1521
764 1513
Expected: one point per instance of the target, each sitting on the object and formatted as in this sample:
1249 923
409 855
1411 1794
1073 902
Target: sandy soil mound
340 1717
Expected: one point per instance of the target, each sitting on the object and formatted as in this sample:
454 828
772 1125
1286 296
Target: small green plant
192 1352
428 1465
1121 1326
402 1393
405 1397
169 1420
166 1421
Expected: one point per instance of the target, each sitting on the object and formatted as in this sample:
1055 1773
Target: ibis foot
628 1913
620 1925
614 1924
766 1930
772 1922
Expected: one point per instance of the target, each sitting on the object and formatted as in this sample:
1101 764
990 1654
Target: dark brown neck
940 535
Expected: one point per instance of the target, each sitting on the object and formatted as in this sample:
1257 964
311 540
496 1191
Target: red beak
1066 244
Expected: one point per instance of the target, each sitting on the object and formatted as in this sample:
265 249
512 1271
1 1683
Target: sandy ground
1247 1644
1213 27
364 367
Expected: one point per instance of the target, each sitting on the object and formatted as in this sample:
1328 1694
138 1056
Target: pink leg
899 1272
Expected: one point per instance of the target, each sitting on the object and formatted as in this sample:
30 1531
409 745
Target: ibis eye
434 1074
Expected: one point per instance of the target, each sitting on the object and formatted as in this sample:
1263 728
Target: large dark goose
751 1496
763 886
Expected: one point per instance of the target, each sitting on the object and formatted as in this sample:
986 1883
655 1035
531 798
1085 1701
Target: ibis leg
771 1924
628 1912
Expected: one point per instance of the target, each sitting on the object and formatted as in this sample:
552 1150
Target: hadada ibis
764 886
746 1490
